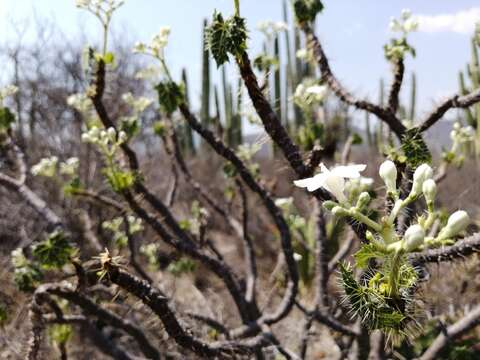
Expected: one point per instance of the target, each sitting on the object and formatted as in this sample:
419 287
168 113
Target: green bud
329 205
340 211
363 200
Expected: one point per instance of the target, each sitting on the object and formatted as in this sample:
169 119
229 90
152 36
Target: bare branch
269 118
393 97
341 253
460 249
462 326
159 305
454 102
66 291
102 199
249 251
36 202
227 153
327 75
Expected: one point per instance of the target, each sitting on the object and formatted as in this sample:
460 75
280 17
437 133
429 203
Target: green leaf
119 180
159 128
72 187
182 266
108 58
6 119
357 139
307 10
170 96
130 125
53 252
225 37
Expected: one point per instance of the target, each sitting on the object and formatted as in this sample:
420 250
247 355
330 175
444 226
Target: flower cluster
138 105
70 166
120 236
157 45
103 9
406 24
108 140
399 47
80 102
384 231
271 28
308 94
462 138
47 167
384 301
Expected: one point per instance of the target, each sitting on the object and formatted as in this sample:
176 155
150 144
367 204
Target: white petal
312 183
323 168
349 172
336 185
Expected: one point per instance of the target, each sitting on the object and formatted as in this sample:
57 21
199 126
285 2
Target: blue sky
353 33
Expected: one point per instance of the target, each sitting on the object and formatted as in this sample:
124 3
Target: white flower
70 166
139 104
413 237
319 91
46 167
332 180
421 174
80 102
406 14
302 54
308 93
284 203
406 24
457 222
297 257
156 46
388 173
270 28
410 25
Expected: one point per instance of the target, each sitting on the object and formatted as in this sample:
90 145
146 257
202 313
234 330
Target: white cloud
462 22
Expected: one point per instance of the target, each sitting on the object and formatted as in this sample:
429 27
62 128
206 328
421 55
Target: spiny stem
393 278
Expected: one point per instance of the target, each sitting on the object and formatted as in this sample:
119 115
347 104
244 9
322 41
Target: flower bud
122 137
457 222
429 189
388 173
329 205
86 138
363 200
413 237
423 173
112 134
339 211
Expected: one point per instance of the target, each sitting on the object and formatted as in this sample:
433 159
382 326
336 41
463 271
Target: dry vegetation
204 261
